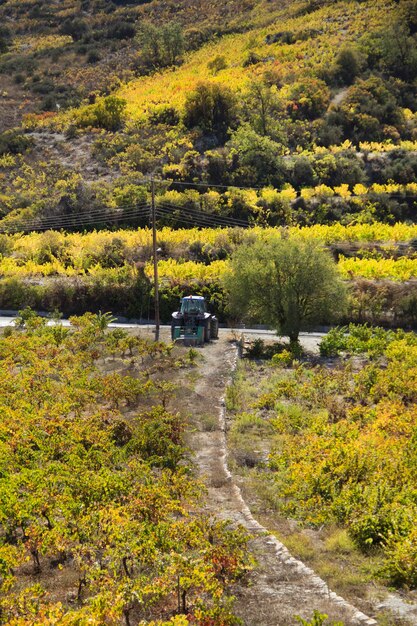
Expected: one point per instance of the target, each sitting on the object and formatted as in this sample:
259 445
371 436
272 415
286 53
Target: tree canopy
289 284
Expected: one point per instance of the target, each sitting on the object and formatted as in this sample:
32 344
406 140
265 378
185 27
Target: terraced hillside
313 98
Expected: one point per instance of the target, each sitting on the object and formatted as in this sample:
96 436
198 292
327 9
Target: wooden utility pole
155 261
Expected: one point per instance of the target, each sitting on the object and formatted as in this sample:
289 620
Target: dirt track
280 586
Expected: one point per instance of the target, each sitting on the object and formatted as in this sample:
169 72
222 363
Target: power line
95 214
177 212
85 220
192 222
210 216
187 215
201 219
67 226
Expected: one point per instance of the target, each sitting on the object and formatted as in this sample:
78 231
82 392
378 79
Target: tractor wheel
214 328
207 332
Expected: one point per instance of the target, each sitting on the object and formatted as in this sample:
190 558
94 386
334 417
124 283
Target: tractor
193 323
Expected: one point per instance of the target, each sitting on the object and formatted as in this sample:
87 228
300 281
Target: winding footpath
280 587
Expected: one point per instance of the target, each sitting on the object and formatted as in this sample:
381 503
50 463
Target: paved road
8 320
309 341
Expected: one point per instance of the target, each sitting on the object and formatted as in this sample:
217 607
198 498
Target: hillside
314 98
274 136
56 52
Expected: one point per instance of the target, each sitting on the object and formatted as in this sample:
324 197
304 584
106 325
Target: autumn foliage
98 510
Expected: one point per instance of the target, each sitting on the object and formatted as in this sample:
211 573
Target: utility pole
155 260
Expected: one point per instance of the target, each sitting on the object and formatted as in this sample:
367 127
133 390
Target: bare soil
280 587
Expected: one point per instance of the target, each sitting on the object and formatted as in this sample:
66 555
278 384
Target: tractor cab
193 305
193 323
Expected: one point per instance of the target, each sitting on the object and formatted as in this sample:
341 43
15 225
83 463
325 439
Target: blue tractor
193 322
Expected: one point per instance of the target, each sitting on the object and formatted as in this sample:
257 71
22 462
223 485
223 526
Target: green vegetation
98 508
249 96
290 285
338 446
114 270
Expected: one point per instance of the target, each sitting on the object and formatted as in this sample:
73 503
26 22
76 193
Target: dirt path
280 587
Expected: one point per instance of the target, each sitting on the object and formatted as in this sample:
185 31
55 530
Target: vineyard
99 508
224 127
331 443
113 270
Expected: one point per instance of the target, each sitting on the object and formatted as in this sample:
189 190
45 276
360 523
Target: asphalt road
309 341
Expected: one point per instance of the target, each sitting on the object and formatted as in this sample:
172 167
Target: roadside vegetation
113 270
324 447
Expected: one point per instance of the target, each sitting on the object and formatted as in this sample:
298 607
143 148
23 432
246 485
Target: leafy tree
258 158
306 99
338 169
302 173
173 42
263 106
5 38
399 53
129 195
286 283
161 46
121 30
347 65
211 107
76 28
408 12
369 106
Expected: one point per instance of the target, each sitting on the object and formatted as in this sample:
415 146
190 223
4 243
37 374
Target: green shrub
107 113
318 619
217 64
121 30
164 114
13 142
252 58
401 564
256 349
76 28
333 342
212 107
249 423
347 65
93 56
283 359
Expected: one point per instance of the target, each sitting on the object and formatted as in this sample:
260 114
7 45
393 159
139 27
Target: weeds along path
280 586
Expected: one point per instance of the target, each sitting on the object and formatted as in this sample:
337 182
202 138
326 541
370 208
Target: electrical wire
206 216
199 220
68 226
192 223
187 215
81 220
196 220
95 213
